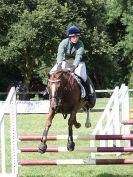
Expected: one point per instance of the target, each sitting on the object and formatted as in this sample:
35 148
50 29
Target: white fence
29 106
11 103
115 111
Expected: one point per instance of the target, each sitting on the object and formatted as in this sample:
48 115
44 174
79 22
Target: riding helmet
72 30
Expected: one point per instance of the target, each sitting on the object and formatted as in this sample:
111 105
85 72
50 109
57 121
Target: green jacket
67 50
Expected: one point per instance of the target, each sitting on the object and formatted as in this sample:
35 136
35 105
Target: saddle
81 84
87 89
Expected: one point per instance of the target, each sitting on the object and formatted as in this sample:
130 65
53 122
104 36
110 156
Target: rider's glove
59 66
73 68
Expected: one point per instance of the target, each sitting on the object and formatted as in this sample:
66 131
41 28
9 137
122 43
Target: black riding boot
90 91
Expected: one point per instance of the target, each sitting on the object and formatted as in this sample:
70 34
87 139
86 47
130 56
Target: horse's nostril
53 106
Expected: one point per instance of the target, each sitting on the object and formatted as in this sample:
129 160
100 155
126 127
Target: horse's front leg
70 143
71 122
43 146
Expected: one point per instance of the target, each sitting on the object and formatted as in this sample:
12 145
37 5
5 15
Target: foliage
32 29
120 30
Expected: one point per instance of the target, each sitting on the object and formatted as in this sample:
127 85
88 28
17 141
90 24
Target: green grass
34 124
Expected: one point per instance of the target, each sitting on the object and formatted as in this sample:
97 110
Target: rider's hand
73 68
59 66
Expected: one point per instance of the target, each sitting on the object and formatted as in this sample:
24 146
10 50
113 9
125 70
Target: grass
33 124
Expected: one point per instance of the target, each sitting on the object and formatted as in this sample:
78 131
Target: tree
32 29
33 39
120 30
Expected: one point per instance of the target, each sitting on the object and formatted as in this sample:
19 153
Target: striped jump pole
127 122
79 149
77 137
76 162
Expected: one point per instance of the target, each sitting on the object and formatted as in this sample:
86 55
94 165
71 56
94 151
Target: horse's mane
66 76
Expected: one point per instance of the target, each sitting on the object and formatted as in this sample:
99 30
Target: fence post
13 114
116 119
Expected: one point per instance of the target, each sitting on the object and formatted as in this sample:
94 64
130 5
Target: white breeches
79 71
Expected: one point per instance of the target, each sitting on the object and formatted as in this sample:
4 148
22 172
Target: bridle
59 98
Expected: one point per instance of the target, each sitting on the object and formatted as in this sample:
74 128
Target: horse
65 98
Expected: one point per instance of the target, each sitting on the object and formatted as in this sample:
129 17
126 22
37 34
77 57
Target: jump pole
76 162
79 149
127 122
77 137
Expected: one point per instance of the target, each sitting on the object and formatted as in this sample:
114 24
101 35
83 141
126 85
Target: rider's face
74 39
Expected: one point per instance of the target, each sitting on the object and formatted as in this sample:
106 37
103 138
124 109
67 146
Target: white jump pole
13 114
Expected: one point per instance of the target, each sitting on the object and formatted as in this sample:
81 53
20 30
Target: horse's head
55 89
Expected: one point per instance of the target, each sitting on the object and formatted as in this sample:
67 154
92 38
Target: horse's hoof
70 146
77 125
87 124
42 148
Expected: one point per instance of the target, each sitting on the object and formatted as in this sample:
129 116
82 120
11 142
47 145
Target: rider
71 55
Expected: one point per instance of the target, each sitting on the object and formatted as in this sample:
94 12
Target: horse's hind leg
77 124
88 123
43 146
74 121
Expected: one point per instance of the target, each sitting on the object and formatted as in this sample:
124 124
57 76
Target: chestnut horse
65 98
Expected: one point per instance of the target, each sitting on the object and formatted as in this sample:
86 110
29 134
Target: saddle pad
83 92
